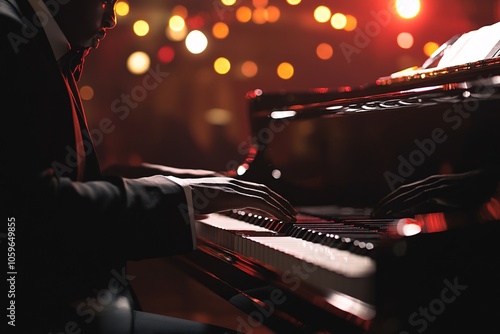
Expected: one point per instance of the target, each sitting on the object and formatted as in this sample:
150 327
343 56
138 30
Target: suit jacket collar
58 42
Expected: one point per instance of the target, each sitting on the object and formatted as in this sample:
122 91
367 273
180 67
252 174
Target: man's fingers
437 188
264 189
225 194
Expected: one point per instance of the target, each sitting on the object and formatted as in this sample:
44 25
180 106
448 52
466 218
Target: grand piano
335 153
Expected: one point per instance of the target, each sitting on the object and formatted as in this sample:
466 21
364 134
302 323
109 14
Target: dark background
169 126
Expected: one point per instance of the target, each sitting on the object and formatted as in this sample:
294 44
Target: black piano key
357 235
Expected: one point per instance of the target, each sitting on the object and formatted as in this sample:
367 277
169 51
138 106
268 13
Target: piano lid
352 147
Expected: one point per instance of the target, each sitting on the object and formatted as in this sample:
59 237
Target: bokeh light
273 14
222 65
407 8
259 3
87 93
338 21
180 10
259 15
196 22
176 23
324 51
196 42
138 62
122 8
293 2
351 23
249 69
405 40
243 14
141 28
285 70
176 35
166 54
322 14
220 30
430 48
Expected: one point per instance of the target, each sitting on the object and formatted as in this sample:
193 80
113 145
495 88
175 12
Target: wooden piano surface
339 271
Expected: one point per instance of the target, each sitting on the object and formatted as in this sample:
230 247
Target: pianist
75 228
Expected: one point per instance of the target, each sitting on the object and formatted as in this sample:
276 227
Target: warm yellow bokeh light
243 14
324 51
249 69
338 21
122 8
293 2
405 40
228 2
222 65
285 70
196 42
87 93
408 8
351 23
138 62
141 28
322 14
176 23
430 48
176 35
220 30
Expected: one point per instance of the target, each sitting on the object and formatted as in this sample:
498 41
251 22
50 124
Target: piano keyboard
333 257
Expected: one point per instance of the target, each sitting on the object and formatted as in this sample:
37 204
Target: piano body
334 153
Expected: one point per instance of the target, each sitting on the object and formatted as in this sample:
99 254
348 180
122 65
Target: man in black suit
70 227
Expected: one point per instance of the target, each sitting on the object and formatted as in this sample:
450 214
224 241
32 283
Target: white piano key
324 267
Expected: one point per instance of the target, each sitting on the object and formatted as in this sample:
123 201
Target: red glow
196 22
320 90
166 54
432 222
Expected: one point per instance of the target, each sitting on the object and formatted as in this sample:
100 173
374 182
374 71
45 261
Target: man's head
84 22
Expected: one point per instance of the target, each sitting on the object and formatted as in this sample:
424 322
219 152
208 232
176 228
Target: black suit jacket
71 237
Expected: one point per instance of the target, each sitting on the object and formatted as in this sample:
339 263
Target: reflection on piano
334 154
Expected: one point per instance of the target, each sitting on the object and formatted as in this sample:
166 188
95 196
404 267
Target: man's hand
439 193
214 194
